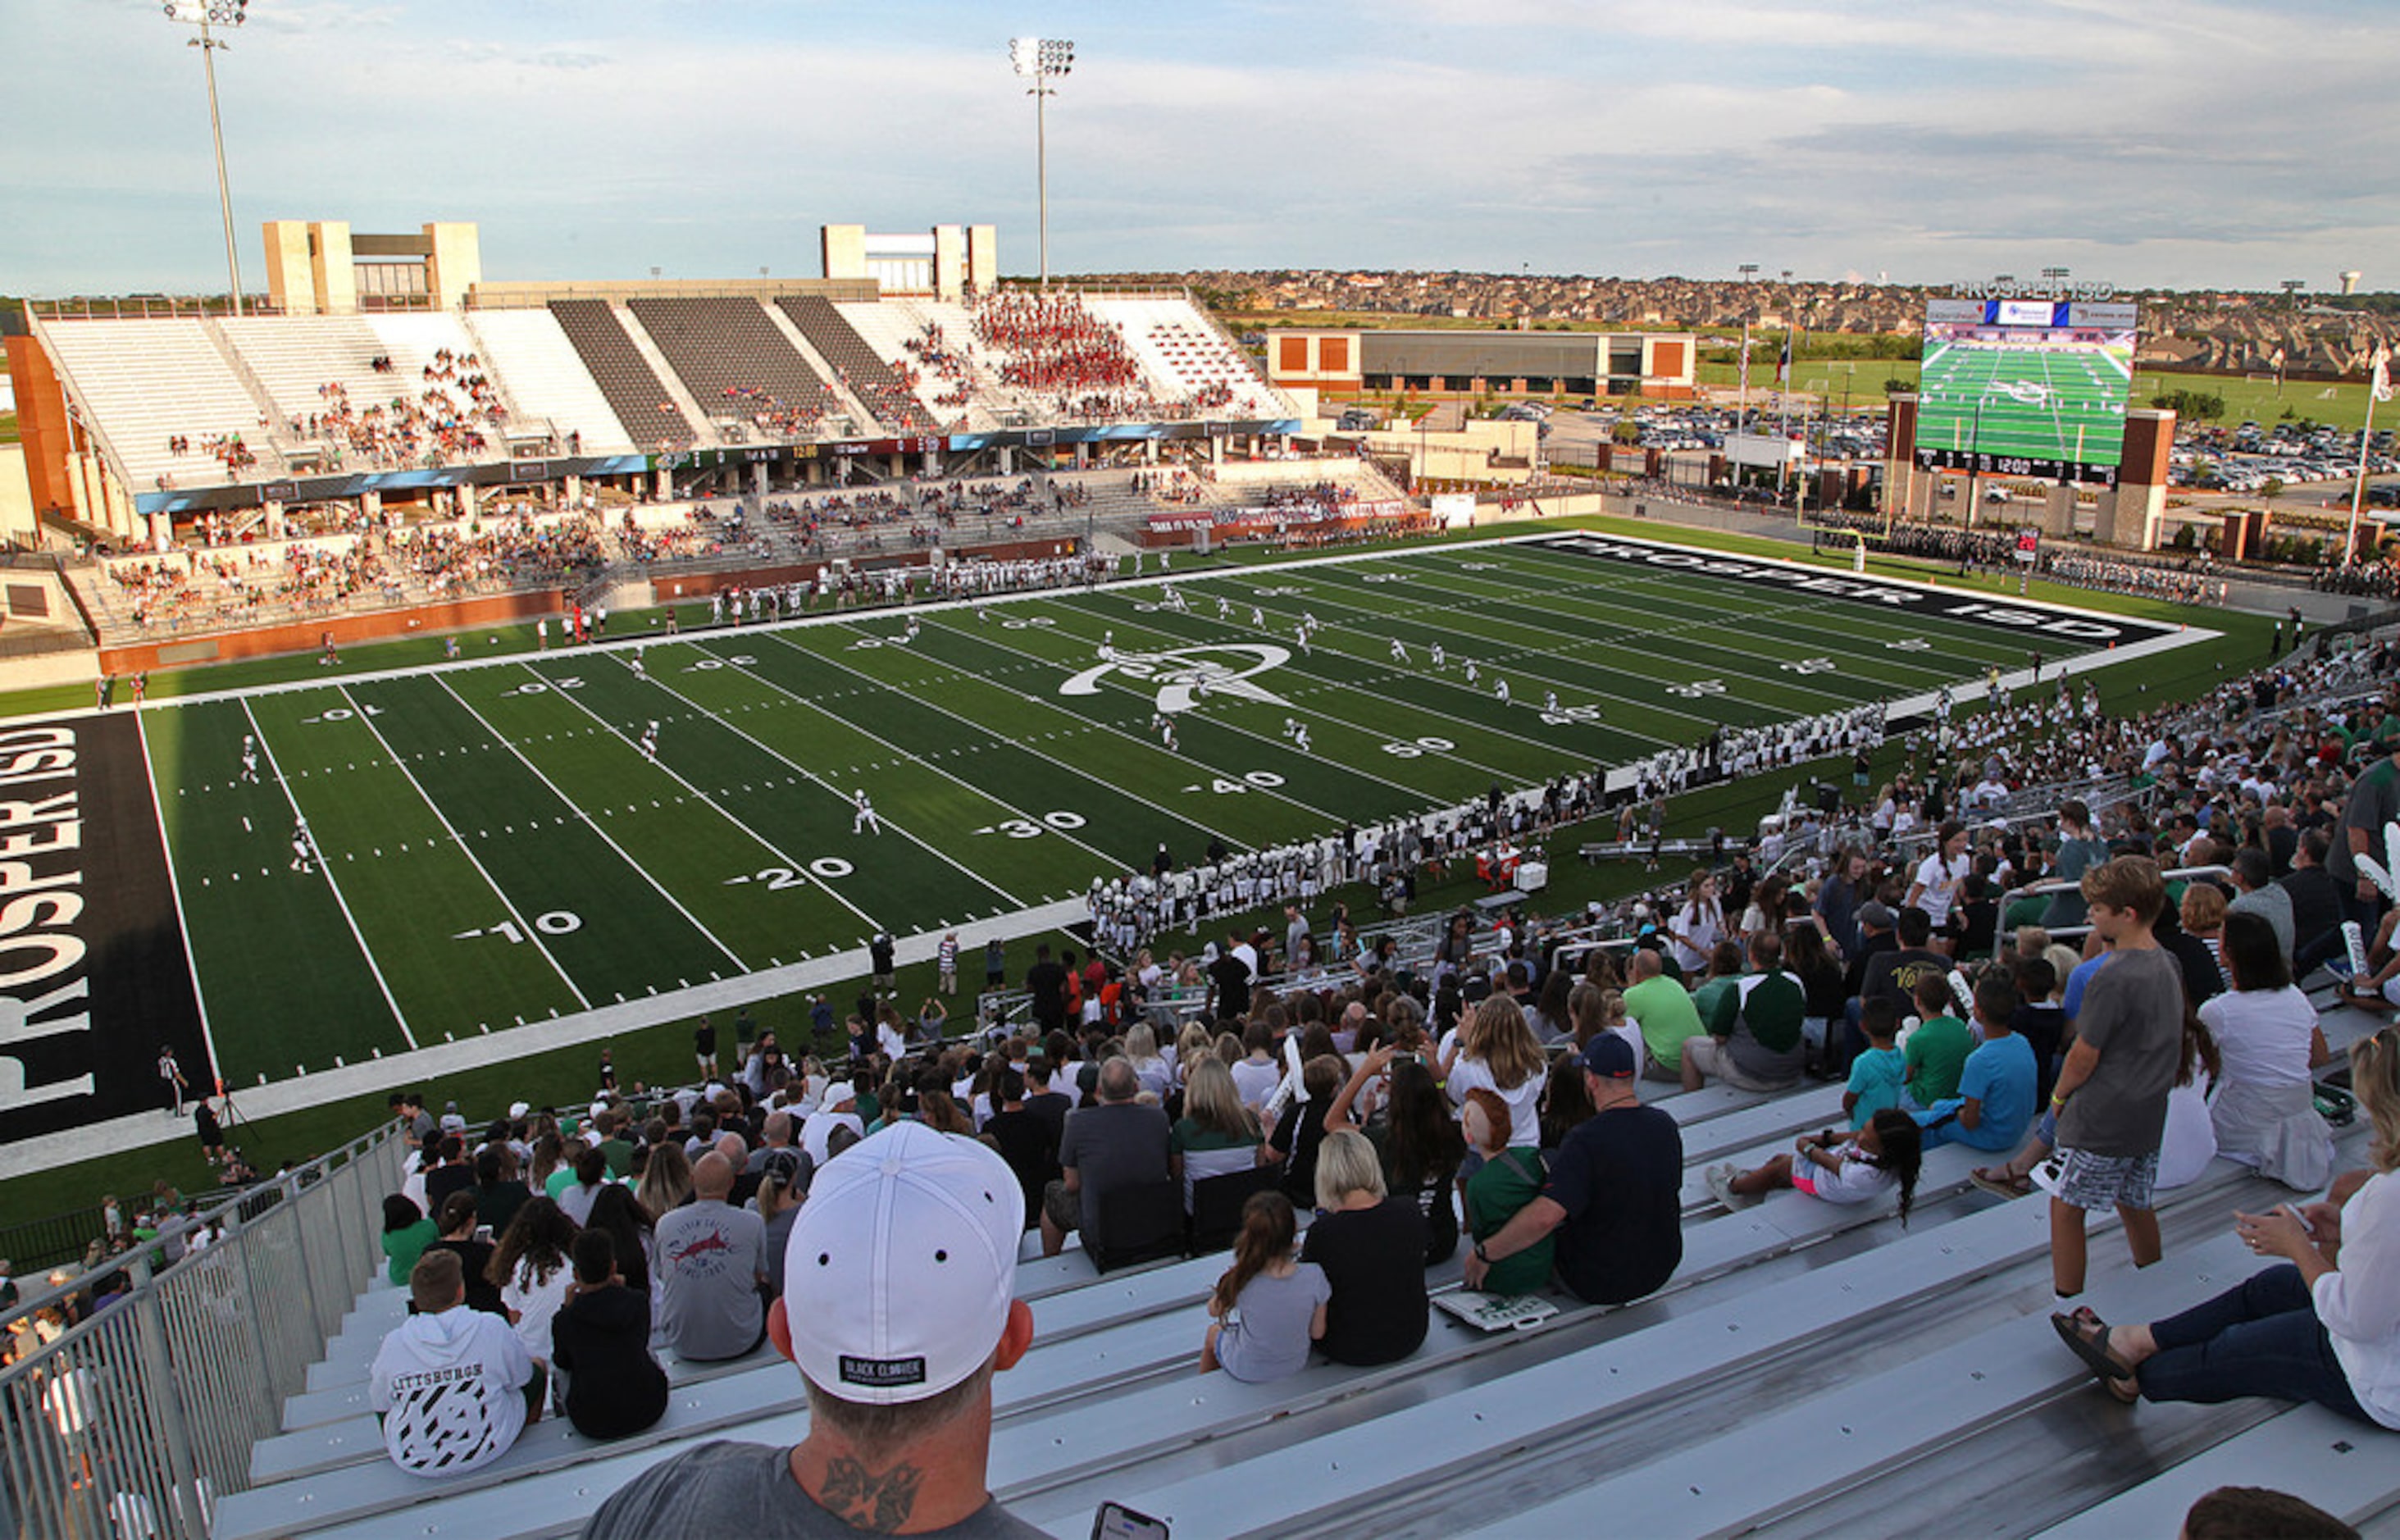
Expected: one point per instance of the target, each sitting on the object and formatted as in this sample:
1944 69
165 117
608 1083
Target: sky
2192 145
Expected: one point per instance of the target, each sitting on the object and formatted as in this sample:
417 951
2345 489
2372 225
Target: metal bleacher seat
547 379
727 352
146 381
625 379
893 403
1810 1365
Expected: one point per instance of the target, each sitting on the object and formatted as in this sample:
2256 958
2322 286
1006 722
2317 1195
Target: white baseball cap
902 1265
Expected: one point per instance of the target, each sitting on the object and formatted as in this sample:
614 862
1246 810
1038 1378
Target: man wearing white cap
899 1276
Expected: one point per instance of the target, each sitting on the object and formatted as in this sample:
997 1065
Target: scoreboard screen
2032 387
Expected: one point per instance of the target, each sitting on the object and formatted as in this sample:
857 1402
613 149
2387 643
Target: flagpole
1744 387
2358 487
2379 387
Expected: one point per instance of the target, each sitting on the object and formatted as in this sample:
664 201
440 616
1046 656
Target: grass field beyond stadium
494 848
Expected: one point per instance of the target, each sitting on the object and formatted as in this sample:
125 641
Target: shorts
1801 1183
1061 1207
2097 1183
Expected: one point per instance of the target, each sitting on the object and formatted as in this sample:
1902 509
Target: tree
1626 431
2273 487
1896 386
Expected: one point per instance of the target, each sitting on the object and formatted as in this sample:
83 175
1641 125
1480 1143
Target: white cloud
2196 143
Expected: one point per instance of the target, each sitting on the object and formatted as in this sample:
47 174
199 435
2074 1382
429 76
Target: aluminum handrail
132 1413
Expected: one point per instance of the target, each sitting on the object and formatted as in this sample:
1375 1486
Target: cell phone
1116 1521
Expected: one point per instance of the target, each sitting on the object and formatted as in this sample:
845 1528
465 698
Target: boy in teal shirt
1937 1051
1997 1089
1878 1075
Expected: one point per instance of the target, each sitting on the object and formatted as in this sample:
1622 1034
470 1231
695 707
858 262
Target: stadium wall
346 629
44 430
685 587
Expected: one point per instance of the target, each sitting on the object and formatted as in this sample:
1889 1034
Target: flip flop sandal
2087 1336
2002 1187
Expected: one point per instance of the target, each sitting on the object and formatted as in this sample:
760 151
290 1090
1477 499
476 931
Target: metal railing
134 1391
2063 885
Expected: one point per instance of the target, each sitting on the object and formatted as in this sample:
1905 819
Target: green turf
977 729
497 850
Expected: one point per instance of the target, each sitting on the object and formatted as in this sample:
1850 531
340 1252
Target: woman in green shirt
1508 1181
407 1233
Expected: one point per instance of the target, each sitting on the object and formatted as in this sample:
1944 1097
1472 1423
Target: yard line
1341 596
943 856
1841 700
1347 599
590 823
1126 792
1112 862
1464 725
792 861
339 901
175 890
532 931
1535 562
1839 642
1109 681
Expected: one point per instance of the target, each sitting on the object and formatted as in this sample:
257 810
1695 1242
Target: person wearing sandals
2322 1325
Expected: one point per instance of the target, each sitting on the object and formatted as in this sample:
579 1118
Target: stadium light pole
205 15
1042 60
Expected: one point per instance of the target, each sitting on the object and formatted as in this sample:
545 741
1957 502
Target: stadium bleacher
893 401
143 383
547 379
1805 1354
735 362
626 379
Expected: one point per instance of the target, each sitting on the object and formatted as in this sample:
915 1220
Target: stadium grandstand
1706 1345
1800 1366
167 413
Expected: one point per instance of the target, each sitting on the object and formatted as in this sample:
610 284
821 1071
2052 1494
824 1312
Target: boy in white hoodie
453 1386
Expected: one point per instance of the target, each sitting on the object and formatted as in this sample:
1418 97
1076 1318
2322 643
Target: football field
490 847
2036 404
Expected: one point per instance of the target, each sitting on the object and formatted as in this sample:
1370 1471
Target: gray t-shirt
2374 801
709 1259
1112 1146
1270 1339
747 1490
2133 1012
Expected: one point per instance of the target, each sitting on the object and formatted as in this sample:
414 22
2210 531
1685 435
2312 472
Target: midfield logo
1186 675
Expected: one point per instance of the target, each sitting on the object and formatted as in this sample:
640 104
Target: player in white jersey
1500 689
1224 607
1166 736
633 662
250 758
913 629
1551 701
1299 737
1439 660
862 813
1474 675
651 741
1300 635
303 850
1399 651
1258 618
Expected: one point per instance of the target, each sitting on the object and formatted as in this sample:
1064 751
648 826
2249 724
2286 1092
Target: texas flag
1783 361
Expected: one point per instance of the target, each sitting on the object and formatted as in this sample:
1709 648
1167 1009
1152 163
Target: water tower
2349 282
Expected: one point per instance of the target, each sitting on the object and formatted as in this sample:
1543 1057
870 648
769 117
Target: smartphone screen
1116 1521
